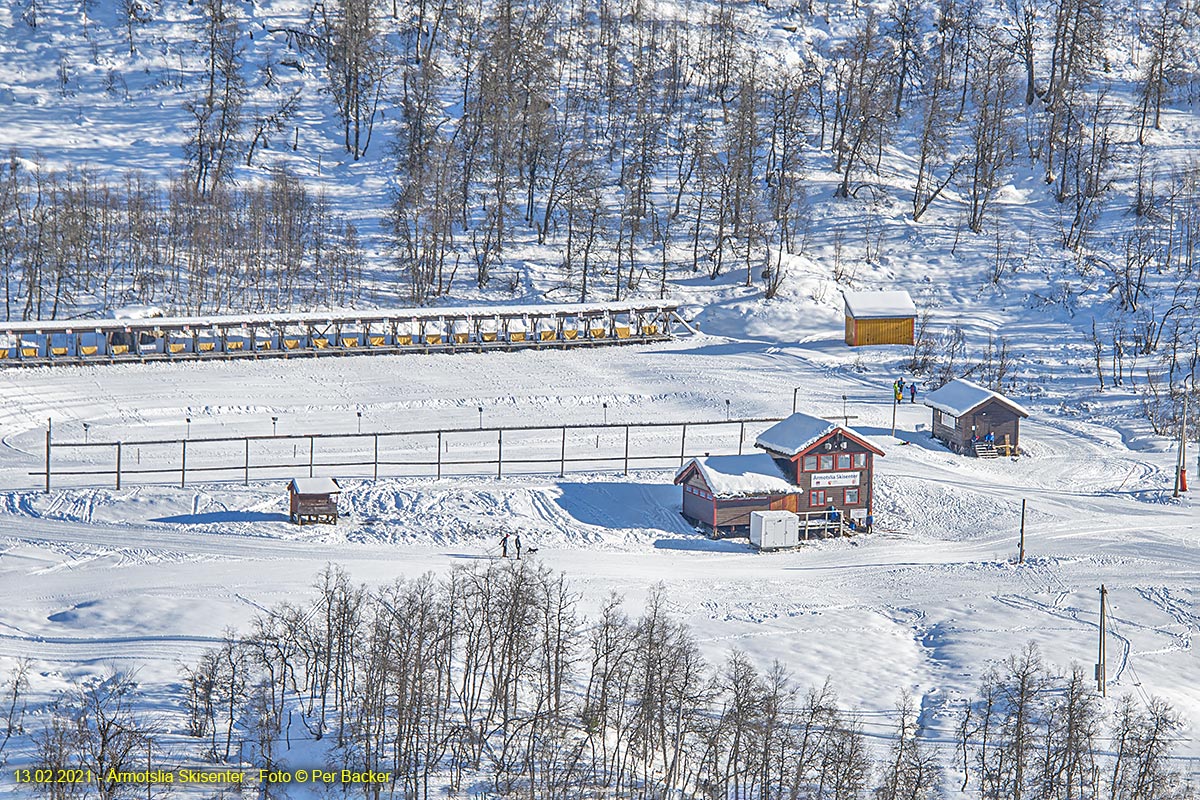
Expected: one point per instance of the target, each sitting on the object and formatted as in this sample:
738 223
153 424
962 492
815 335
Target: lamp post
188 420
727 409
895 402
1181 466
605 405
86 427
274 422
795 392
360 422
480 410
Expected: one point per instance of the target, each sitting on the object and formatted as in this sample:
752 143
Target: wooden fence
527 449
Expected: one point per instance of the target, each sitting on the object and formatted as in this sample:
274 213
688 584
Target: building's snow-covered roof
731 476
959 396
315 486
867 305
794 434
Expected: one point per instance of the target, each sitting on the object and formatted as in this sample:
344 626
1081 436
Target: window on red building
851 497
816 498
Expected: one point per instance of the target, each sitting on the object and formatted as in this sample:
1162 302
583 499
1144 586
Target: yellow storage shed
879 318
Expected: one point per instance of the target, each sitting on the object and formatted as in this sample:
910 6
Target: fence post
246 466
500 453
376 457
118 466
562 458
48 445
439 457
311 445
626 449
183 466
741 436
682 444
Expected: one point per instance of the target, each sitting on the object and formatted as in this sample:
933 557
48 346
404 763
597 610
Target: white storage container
774 530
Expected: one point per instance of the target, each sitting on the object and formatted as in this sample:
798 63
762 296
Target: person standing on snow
517 543
504 546
912 393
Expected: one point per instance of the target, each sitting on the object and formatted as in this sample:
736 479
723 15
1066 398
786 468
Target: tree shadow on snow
224 516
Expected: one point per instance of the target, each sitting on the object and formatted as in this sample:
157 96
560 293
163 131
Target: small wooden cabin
964 413
879 318
313 500
719 492
809 466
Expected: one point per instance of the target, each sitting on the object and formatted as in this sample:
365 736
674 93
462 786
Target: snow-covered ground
153 575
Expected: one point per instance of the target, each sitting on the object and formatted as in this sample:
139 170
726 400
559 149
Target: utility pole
1101 667
1021 558
795 392
1181 469
895 402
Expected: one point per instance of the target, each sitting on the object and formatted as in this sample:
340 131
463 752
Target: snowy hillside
1026 171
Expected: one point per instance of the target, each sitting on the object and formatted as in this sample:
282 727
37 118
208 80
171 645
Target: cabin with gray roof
808 466
965 413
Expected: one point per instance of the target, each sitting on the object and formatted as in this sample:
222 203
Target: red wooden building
809 465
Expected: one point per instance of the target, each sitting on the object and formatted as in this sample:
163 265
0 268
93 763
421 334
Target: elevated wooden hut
313 500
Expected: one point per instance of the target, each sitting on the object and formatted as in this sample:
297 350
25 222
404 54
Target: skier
517 542
870 522
900 384
504 546
912 393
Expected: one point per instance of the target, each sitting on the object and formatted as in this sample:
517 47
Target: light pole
189 427
360 422
1181 466
795 392
605 412
726 409
480 409
86 427
895 402
845 418
274 422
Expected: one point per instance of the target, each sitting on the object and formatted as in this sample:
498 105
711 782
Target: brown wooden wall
734 512
836 495
861 332
697 509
